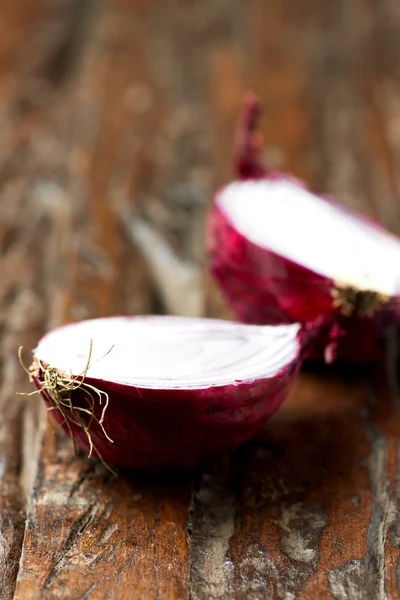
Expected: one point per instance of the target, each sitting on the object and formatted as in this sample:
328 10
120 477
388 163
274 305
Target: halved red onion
164 392
282 254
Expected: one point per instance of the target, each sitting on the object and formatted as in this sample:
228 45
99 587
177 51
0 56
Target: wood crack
366 578
87 474
76 531
212 526
86 594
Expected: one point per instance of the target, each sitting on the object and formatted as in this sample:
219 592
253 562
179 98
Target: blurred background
117 121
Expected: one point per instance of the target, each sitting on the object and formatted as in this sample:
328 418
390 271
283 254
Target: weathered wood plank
121 123
136 107
24 272
92 533
317 504
124 538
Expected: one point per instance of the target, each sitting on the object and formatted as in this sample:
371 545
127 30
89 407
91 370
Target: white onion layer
281 216
170 352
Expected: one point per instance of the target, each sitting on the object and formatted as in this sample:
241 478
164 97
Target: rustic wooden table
114 105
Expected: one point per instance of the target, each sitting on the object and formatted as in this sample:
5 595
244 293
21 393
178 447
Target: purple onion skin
177 429
264 288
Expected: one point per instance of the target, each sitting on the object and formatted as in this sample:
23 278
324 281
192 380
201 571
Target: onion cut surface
177 389
282 254
318 235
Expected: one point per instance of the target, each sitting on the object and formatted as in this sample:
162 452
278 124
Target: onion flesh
178 389
350 250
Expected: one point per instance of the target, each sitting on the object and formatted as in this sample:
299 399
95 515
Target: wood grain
123 107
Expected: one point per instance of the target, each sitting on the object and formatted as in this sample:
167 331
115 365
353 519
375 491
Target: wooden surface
115 110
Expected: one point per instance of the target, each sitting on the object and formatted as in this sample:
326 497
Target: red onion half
164 392
282 254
